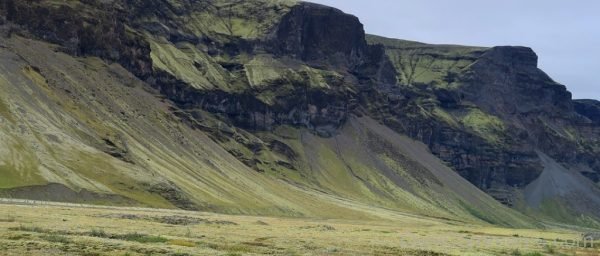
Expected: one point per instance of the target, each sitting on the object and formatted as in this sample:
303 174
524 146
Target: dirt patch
184 220
171 219
121 216
117 151
319 227
262 223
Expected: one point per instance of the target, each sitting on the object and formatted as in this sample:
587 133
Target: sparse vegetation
19 236
87 234
185 243
517 252
135 237
98 233
33 229
7 219
140 238
56 238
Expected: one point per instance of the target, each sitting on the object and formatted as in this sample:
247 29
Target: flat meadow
63 229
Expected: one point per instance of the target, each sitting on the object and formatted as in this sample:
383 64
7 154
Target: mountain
501 122
283 108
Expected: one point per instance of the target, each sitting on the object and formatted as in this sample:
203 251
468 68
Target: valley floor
33 228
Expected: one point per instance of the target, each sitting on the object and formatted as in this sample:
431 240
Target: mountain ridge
254 79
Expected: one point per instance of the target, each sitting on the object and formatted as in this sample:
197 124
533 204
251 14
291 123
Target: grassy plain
89 230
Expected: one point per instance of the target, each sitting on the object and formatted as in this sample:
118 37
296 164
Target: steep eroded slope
274 107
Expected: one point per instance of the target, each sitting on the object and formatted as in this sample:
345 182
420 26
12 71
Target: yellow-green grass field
67 229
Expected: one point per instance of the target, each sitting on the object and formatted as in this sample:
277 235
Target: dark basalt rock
507 83
505 79
173 194
321 34
514 56
488 166
100 33
589 109
314 109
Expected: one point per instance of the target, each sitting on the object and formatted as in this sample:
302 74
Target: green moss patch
486 126
243 19
187 63
441 114
5 112
419 63
21 170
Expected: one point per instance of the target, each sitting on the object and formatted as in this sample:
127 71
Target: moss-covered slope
271 107
109 138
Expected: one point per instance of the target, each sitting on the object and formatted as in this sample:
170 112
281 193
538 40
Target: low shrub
56 239
185 243
141 238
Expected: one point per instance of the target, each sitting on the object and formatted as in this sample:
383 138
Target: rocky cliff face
548 122
489 112
99 30
504 79
303 33
243 71
317 33
439 110
588 108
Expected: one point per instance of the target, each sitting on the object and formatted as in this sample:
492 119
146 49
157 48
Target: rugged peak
314 32
515 56
506 81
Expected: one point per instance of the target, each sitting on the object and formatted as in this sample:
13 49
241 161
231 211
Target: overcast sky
565 34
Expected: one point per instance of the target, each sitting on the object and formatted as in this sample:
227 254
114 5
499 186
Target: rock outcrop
504 79
321 34
589 109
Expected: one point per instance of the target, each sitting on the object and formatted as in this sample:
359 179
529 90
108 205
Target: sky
564 34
